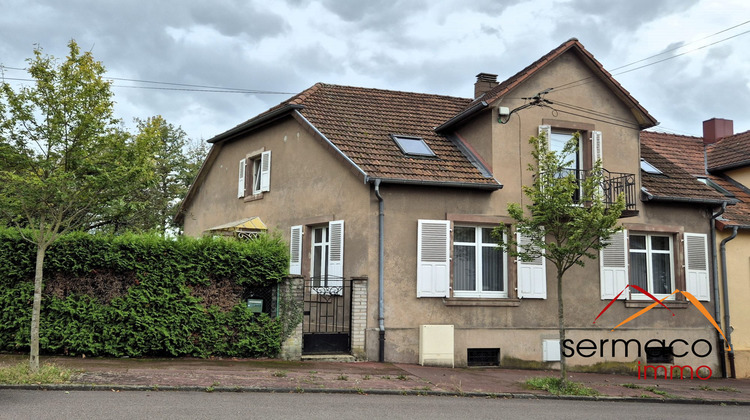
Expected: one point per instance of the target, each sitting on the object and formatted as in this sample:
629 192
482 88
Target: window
557 141
254 174
651 265
648 260
414 146
326 253
649 168
479 268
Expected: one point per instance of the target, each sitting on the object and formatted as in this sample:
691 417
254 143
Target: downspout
724 283
381 266
715 274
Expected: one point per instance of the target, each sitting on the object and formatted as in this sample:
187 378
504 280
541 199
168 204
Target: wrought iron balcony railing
613 184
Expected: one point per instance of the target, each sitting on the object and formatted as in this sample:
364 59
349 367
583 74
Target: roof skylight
649 168
413 146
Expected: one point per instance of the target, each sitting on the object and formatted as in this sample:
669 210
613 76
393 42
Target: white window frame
478 246
634 295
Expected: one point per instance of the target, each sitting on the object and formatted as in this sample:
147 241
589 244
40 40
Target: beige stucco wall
738 279
309 185
741 175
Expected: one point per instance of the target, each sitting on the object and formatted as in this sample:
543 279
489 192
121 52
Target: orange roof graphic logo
688 295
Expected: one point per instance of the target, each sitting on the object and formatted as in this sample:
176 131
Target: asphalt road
21 404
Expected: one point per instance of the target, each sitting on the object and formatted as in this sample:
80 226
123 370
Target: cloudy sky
265 51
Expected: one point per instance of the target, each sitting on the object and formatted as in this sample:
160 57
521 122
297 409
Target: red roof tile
687 153
730 152
675 182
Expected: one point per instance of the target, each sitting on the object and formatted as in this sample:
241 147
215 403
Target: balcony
613 184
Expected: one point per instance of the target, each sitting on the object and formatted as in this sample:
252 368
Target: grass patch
21 374
553 386
727 389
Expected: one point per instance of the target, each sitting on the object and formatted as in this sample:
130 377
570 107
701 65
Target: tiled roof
646 120
730 152
675 183
686 152
360 122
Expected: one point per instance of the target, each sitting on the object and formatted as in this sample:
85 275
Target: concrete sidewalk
272 375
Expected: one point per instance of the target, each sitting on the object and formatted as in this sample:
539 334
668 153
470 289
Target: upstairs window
254 174
413 146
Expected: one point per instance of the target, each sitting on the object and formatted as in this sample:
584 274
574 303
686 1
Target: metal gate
327 309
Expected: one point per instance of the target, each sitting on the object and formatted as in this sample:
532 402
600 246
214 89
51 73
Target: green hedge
136 295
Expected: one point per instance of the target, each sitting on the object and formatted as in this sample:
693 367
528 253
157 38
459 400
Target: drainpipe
381 266
728 331
715 275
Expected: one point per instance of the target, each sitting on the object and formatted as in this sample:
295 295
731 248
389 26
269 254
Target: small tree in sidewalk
63 160
566 221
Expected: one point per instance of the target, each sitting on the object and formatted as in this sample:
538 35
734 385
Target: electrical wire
586 80
183 86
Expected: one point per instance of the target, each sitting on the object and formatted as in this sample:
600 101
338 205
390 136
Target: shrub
142 295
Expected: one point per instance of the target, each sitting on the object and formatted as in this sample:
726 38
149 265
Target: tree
174 162
567 220
63 160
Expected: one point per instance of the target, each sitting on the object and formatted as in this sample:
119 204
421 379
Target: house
388 199
721 160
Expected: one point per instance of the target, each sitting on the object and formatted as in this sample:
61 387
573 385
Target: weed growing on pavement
553 386
209 389
401 377
631 386
299 390
360 391
343 378
366 378
47 374
727 389
280 374
385 377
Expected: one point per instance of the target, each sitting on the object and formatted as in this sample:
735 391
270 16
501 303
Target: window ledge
253 197
481 302
674 304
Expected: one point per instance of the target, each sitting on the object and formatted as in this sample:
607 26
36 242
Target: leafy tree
174 162
567 220
63 160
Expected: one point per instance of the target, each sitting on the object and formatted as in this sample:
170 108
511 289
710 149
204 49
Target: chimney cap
487 77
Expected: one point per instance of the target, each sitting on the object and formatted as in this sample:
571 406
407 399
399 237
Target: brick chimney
716 128
485 82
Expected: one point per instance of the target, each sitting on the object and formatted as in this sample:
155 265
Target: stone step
329 357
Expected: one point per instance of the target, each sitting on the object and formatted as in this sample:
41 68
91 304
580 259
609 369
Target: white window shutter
265 171
613 266
295 250
696 266
596 146
547 131
336 253
433 258
241 179
532 275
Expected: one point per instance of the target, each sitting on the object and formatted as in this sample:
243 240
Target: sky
221 62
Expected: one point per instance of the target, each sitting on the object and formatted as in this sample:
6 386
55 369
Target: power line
581 82
184 86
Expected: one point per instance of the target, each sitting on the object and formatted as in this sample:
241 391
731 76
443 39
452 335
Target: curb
241 389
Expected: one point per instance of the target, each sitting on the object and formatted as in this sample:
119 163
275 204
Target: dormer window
649 168
413 146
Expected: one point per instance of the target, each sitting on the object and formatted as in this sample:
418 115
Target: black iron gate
327 307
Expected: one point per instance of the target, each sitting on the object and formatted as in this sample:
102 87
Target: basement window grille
483 357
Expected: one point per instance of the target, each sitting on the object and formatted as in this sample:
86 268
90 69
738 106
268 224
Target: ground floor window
479 266
651 266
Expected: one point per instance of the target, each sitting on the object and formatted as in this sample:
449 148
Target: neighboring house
327 166
721 159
